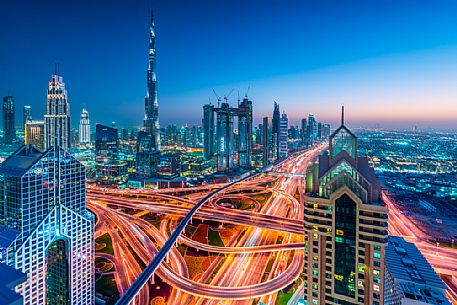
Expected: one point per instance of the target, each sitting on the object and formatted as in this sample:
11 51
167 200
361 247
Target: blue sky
391 63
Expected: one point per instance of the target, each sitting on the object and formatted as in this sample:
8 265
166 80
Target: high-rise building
47 232
27 114
345 228
146 155
208 130
325 132
283 136
9 130
410 280
151 115
275 130
267 141
224 137
244 113
34 133
57 117
84 127
311 130
303 132
319 131
106 144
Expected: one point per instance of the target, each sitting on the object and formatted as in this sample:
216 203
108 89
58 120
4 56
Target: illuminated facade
345 228
151 115
84 128
224 137
48 233
283 136
57 116
34 133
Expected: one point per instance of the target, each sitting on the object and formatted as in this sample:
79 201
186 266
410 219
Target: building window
377 255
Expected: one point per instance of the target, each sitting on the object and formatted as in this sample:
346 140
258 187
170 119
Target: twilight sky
391 64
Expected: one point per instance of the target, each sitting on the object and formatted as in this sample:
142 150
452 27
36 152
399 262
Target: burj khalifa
151 105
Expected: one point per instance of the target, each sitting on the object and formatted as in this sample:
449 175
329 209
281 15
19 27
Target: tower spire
342 115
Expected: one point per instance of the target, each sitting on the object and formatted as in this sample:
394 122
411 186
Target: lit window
315 235
315 302
339 239
377 255
376 287
316 206
315 286
315 272
339 232
338 277
362 268
377 280
315 228
377 247
376 272
360 283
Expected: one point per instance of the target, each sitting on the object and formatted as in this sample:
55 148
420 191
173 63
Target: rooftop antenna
342 115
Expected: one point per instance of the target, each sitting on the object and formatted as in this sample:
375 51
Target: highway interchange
264 257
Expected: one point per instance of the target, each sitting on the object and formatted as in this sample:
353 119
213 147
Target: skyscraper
208 130
275 130
345 228
151 115
311 130
57 117
48 233
84 127
267 141
283 136
244 113
303 131
27 114
9 130
224 137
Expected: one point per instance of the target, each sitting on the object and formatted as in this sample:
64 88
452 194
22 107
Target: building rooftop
412 274
8 281
21 161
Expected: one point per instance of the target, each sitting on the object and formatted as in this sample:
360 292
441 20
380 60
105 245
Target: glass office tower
47 232
345 228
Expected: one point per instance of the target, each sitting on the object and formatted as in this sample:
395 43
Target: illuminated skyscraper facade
151 115
244 112
345 228
9 130
84 128
57 116
34 133
48 233
224 137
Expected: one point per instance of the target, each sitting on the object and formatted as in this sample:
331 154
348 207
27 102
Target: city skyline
374 72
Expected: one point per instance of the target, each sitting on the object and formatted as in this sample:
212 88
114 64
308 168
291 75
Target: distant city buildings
48 234
9 129
151 115
410 280
57 117
84 128
208 131
345 227
109 168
